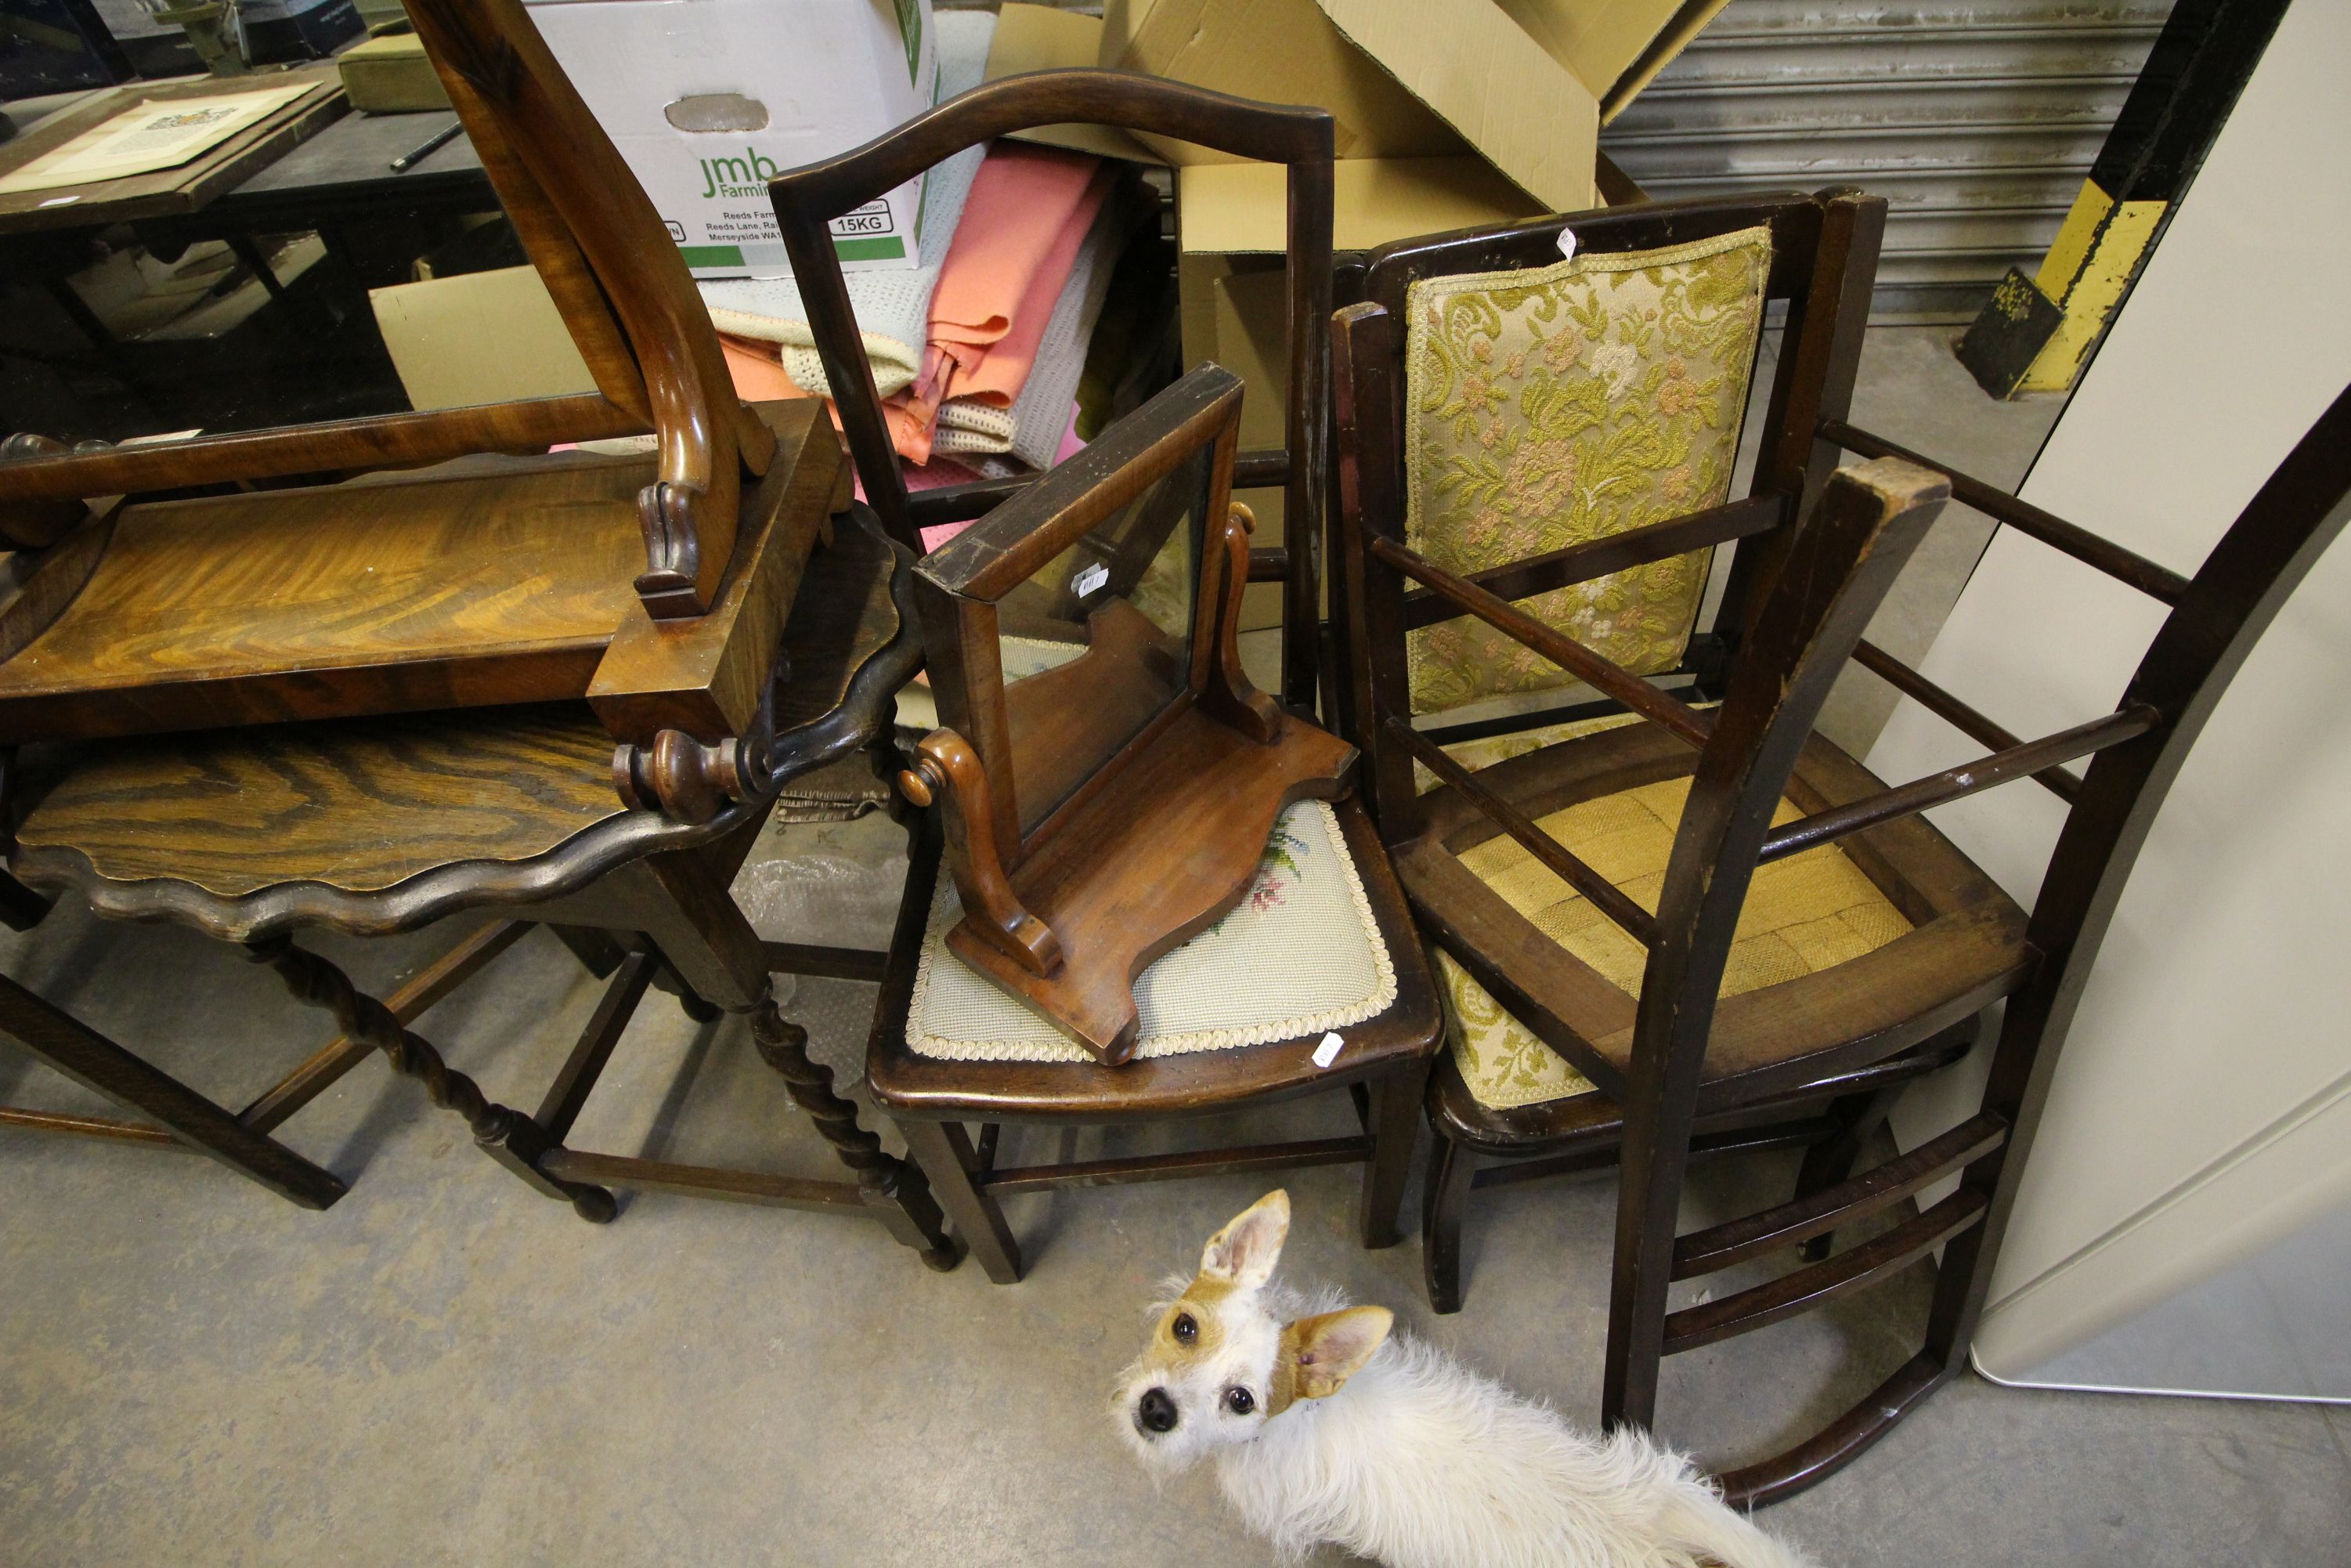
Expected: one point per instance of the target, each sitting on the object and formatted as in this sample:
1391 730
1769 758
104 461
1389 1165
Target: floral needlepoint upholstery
1804 913
1555 405
1299 954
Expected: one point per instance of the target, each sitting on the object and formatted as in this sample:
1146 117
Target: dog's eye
1239 1401
1185 1330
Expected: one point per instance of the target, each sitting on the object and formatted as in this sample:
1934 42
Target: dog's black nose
1156 1412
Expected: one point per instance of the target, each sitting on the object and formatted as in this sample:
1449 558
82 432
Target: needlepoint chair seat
1300 954
1824 938
1201 1052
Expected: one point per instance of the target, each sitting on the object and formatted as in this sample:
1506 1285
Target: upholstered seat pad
1300 954
1804 913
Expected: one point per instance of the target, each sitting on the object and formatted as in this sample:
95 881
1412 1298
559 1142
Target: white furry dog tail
1709 1530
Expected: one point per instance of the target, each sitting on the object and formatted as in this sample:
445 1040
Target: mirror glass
1099 642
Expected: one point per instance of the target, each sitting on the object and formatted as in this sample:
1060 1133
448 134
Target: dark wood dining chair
1118 801
808 199
1667 930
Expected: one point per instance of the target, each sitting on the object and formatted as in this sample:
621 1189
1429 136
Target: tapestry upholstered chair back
1551 406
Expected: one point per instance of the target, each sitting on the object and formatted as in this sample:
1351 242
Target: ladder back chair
808 199
1122 784
1563 436
1677 961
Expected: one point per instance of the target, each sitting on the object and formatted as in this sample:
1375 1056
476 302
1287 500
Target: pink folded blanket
1029 211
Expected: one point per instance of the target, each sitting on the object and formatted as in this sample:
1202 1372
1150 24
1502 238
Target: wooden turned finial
680 777
921 784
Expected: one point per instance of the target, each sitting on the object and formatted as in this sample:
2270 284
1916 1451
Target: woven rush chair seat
1805 914
1826 938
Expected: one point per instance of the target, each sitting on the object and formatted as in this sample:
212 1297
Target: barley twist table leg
511 1138
896 1191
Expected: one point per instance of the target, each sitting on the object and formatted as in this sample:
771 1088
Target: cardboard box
1469 113
391 75
478 338
709 98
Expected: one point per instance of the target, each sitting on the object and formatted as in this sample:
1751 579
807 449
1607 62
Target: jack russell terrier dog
1325 1427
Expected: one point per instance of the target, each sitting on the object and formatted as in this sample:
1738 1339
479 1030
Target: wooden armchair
654 587
1658 934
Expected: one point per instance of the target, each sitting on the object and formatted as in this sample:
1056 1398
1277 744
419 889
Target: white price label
1093 577
1328 1052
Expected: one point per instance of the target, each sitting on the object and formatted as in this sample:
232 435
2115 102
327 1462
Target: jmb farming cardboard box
1450 115
709 99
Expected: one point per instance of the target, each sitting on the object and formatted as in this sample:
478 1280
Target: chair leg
89 1059
1832 1160
944 1151
900 1197
1394 1129
1654 1158
597 951
691 1003
505 1134
1452 1171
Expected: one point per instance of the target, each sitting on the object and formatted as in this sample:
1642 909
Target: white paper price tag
1567 244
1086 581
1328 1052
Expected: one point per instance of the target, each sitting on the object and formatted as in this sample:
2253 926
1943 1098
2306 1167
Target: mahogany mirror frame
958 587
1080 975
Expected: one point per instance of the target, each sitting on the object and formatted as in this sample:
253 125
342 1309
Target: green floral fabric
1560 405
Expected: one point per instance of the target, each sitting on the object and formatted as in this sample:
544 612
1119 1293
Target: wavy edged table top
384 823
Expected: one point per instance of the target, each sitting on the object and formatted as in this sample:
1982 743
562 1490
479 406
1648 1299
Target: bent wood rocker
1677 924
654 587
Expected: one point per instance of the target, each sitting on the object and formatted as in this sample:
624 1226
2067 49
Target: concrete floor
446 1368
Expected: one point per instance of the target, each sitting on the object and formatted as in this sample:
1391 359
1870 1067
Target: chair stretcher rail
1820 1283
1600 557
2027 760
1602 673
1606 895
2124 566
1721 1246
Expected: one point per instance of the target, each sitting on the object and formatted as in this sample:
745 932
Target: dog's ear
1245 1251
1331 1348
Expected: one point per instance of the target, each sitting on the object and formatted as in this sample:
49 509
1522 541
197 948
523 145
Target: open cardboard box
1470 112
